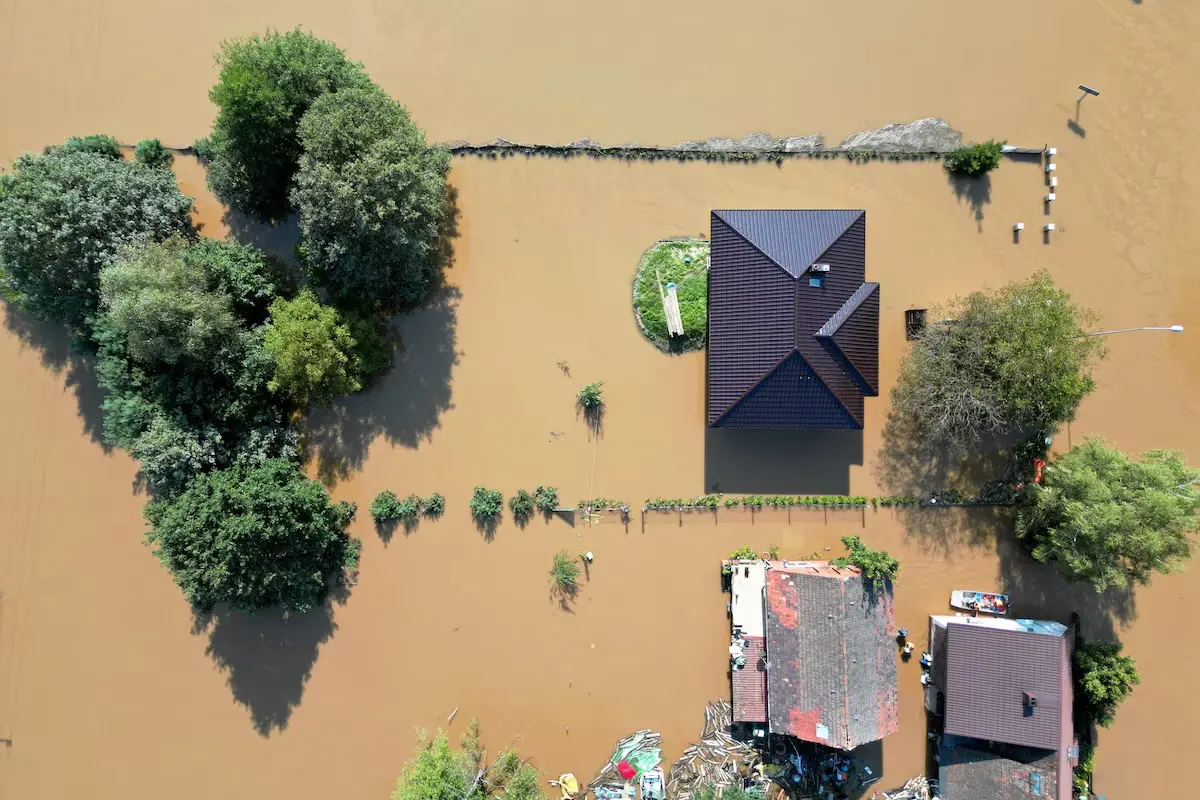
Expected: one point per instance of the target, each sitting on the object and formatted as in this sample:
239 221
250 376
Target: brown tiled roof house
793 330
1008 731
831 658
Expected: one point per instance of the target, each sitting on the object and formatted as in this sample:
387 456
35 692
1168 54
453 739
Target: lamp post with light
1172 329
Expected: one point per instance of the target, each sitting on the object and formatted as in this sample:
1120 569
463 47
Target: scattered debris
450 718
718 759
917 788
633 756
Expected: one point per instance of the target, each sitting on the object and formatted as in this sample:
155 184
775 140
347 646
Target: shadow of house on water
752 461
267 657
65 358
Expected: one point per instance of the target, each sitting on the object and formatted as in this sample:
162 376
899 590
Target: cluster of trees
441 771
1015 363
301 128
876 565
207 352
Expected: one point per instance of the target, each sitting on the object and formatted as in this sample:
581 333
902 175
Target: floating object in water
588 557
452 713
985 602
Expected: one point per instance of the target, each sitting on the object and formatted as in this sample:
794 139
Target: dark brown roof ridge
795 351
846 217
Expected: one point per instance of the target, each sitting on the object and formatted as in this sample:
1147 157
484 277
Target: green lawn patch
684 262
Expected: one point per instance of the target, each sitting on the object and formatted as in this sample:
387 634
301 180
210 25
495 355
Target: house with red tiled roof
827 673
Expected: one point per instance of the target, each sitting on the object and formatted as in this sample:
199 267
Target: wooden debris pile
917 788
717 760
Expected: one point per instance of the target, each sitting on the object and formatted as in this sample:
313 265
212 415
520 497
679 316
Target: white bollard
1051 167
1020 226
1050 197
1053 182
1051 151
1049 226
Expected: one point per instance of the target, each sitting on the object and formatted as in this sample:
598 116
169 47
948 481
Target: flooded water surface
109 687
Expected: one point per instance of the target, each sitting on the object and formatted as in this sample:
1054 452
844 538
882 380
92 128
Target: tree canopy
66 213
876 565
1105 679
1102 517
1010 361
315 355
370 193
160 303
265 86
254 538
440 771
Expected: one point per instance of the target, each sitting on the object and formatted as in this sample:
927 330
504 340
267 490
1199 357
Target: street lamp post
1172 329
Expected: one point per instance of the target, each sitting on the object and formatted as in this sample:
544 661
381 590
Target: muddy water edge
106 688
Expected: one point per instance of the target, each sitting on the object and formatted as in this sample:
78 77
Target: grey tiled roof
978 771
831 675
770 332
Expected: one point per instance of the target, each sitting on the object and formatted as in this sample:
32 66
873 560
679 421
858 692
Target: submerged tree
160 303
151 153
254 538
440 771
1105 679
66 213
876 565
976 159
315 358
370 193
1104 518
1011 361
266 85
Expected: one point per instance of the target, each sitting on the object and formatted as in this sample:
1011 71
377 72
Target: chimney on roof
1029 700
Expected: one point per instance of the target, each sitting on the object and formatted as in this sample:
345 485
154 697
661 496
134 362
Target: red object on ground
627 772
1038 466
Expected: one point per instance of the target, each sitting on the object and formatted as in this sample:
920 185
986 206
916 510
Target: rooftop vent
820 268
1029 699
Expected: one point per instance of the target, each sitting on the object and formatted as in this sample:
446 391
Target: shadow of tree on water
65 358
975 192
913 464
404 405
267 657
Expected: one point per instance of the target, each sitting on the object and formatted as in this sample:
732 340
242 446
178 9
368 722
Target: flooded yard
109 687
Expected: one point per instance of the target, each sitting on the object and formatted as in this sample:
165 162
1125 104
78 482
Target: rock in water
929 135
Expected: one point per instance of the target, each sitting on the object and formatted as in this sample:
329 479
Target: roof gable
791 393
851 336
792 239
989 671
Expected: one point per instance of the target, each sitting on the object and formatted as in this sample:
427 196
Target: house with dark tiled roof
793 328
1007 701
830 654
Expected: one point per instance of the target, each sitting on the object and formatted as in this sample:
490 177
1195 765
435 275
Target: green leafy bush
1105 679
744 553
435 505
385 507
545 498
410 507
876 565
565 571
486 504
151 153
254 538
521 505
97 144
975 159
591 397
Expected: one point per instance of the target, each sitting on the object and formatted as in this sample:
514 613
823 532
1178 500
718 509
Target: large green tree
255 538
160 303
1102 517
314 352
266 84
66 213
1105 679
370 193
1014 360
440 771
246 274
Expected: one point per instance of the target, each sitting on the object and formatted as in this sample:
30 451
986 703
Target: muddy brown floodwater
106 689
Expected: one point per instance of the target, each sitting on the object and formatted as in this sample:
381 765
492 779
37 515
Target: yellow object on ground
569 785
